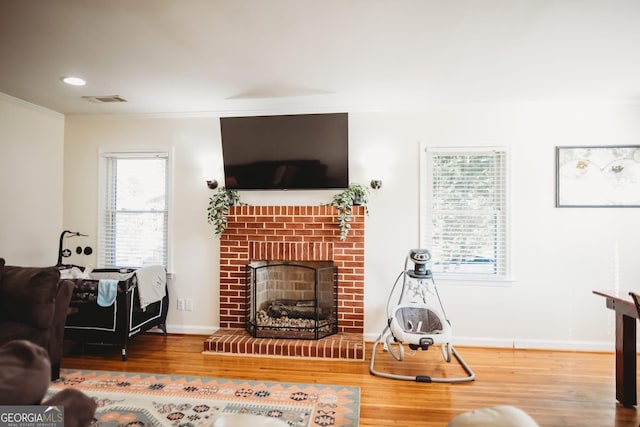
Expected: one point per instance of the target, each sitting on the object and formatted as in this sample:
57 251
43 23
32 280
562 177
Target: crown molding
28 105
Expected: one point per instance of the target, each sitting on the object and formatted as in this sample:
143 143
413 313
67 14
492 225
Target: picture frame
598 176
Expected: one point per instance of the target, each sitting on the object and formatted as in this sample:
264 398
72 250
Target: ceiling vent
103 99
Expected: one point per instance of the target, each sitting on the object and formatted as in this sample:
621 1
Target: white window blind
134 225
464 214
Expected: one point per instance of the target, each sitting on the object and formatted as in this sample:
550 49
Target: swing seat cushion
411 323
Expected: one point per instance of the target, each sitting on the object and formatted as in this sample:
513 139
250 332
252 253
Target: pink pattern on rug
137 399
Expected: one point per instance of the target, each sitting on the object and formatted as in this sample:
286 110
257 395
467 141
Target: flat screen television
286 152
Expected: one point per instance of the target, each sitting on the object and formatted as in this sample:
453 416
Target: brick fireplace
290 233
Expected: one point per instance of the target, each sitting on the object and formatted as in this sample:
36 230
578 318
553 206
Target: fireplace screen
292 300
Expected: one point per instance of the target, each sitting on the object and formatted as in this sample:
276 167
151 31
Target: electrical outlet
180 304
188 304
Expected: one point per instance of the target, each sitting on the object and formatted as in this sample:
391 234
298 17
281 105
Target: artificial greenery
218 209
355 194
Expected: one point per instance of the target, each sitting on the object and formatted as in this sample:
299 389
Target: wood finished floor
555 388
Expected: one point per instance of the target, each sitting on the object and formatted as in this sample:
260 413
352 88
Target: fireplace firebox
296 300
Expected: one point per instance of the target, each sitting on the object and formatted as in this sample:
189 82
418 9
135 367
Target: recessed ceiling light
74 81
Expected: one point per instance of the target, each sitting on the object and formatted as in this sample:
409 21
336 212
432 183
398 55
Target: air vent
103 99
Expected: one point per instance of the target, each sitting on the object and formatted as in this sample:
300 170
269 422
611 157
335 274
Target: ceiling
239 56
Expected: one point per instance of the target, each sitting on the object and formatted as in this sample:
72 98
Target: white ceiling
234 56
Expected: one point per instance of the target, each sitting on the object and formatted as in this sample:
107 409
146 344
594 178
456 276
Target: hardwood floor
555 388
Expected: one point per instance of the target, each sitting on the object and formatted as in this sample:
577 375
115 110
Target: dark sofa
33 306
24 380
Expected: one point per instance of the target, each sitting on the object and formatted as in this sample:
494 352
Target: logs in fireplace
291 300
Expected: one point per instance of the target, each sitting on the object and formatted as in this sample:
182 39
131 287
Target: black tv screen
287 152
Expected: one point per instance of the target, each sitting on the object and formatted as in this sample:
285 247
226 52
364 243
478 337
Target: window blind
134 229
465 219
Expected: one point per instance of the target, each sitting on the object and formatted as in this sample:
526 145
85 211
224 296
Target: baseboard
524 343
188 329
566 345
461 341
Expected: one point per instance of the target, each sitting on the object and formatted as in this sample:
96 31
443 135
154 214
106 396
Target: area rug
140 399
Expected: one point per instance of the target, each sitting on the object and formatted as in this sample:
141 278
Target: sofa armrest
79 408
63 299
27 294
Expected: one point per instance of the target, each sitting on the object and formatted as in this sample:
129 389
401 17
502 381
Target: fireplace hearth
292 234
291 300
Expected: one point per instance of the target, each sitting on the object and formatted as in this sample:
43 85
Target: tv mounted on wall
286 152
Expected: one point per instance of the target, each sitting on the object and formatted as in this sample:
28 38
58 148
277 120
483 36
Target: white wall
559 255
31 172
194 144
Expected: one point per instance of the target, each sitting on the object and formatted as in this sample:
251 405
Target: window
134 223
464 212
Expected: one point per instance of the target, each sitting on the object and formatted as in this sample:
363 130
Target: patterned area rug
138 399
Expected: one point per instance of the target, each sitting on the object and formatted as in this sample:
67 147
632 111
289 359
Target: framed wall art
598 176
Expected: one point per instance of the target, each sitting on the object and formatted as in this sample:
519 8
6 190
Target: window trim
424 213
103 155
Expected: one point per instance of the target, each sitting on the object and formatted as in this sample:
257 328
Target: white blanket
152 284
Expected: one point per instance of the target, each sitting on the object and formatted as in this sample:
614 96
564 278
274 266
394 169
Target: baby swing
418 321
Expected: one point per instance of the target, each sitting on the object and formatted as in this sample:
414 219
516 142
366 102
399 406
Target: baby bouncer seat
418 321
